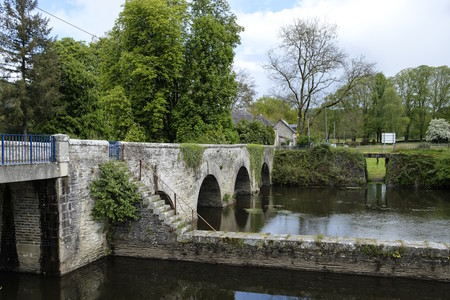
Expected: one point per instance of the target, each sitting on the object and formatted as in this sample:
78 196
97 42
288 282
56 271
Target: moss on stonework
192 155
256 160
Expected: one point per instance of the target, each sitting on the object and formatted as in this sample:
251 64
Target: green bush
418 170
320 166
115 196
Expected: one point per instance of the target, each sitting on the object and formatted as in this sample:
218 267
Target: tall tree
376 108
422 99
144 55
26 61
439 90
394 119
77 113
404 82
308 65
204 110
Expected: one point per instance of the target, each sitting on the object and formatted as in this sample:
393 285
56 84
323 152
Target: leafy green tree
421 76
117 114
27 62
404 82
204 109
439 91
144 55
376 108
274 109
255 132
394 119
77 112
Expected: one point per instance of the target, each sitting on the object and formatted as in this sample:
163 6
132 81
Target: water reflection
376 212
127 278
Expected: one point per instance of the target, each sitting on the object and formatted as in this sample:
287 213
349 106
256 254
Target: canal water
129 278
378 212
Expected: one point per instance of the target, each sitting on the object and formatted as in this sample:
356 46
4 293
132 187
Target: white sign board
388 138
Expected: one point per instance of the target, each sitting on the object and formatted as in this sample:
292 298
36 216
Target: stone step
166 214
171 219
146 200
161 209
156 204
183 229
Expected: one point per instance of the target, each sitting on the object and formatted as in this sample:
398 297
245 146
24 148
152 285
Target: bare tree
246 91
308 65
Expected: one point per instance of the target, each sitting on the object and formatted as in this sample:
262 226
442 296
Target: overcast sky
394 34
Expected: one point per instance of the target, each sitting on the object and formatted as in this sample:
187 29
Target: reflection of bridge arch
242 184
209 194
265 175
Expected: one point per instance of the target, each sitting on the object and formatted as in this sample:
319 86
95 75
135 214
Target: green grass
375 172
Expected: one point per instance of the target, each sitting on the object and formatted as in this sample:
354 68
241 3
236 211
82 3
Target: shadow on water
128 278
377 212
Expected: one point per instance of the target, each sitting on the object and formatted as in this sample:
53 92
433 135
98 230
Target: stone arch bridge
223 172
45 208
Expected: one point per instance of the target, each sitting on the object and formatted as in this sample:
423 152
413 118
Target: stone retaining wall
151 238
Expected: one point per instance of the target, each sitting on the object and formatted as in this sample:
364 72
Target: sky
393 34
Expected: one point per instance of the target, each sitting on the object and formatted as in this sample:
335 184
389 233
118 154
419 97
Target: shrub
192 155
115 196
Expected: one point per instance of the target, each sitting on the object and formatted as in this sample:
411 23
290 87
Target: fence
20 149
114 150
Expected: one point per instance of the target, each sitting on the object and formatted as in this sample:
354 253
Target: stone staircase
164 212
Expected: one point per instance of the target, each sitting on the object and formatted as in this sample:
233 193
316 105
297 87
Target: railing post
140 169
3 149
175 202
31 149
53 149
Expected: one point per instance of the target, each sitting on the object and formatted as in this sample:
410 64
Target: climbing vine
115 196
192 155
256 159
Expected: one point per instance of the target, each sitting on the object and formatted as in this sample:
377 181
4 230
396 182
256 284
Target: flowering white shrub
438 131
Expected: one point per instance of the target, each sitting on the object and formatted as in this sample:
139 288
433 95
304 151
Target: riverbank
321 166
420 169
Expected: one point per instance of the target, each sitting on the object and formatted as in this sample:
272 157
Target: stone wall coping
76 142
306 241
177 146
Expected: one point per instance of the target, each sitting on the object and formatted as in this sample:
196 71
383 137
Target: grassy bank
376 170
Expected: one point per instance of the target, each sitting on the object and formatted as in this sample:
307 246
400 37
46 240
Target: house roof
239 115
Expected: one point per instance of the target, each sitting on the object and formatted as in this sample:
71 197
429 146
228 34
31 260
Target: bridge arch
242 185
209 194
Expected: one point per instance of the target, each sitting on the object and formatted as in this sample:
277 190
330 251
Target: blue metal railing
114 150
20 149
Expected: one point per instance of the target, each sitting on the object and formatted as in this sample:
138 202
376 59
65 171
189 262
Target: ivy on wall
192 155
256 160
